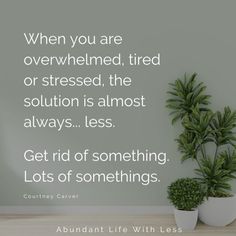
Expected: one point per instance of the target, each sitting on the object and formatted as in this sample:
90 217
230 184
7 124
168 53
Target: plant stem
215 157
202 151
216 153
203 174
204 148
200 167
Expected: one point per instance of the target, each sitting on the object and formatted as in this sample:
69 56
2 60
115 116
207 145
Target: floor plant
204 130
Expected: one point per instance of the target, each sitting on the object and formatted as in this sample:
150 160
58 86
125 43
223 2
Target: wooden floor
21 225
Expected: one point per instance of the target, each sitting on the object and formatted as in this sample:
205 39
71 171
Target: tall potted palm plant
206 132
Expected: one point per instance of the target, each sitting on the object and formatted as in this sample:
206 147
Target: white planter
186 220
218 211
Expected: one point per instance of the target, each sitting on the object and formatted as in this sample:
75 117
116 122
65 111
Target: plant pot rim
195 209
233 195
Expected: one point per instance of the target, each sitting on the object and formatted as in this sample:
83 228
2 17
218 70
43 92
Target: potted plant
186 195
208 138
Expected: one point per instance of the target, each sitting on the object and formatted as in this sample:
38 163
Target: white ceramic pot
186 220
218 211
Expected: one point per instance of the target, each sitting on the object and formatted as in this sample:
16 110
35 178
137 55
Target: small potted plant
186 195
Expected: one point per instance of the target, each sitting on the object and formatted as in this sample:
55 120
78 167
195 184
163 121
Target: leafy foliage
185 96
185 194
197 131
187 145
201 125
215 176
222 126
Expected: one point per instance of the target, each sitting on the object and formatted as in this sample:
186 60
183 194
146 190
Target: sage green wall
192 36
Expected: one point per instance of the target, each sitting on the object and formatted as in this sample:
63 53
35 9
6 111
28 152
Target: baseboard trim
127 210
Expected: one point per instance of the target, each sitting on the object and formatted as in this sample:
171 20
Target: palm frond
223 126
186 94
217 175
